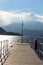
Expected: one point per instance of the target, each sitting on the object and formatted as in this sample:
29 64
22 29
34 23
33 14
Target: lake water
11 39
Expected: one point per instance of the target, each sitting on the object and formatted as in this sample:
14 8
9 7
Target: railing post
35 44
7 45
3 50
1 53
38 49
4 53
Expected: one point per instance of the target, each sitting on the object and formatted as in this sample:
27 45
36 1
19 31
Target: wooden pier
22 54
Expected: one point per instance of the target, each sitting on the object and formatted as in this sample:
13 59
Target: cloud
7 18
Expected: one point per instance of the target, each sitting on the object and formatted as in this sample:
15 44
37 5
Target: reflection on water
10 38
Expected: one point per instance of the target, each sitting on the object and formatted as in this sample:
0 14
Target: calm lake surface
11 39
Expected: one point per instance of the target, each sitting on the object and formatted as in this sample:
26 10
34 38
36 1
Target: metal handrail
39 50
4 53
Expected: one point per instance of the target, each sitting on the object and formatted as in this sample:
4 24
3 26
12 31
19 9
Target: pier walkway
22 54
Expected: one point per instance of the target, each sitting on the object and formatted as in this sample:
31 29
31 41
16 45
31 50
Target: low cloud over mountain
7 18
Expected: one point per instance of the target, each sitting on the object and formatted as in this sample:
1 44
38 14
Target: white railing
5 43
4 53
39 50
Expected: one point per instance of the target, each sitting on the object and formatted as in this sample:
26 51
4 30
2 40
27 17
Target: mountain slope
3 32
29 29
33 25
17 27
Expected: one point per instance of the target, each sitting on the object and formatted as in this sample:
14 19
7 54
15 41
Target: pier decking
22 54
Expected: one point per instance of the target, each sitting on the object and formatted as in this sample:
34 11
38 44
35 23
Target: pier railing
4 53
31 41
39 44
39 50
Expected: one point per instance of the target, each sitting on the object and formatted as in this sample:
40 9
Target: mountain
17 27
3 32
31 28
31 22
33 25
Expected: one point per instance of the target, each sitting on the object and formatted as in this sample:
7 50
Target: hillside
3 32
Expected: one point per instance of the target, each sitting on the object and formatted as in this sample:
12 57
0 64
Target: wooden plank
22 54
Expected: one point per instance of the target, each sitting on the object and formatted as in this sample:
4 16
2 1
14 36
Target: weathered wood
22 54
